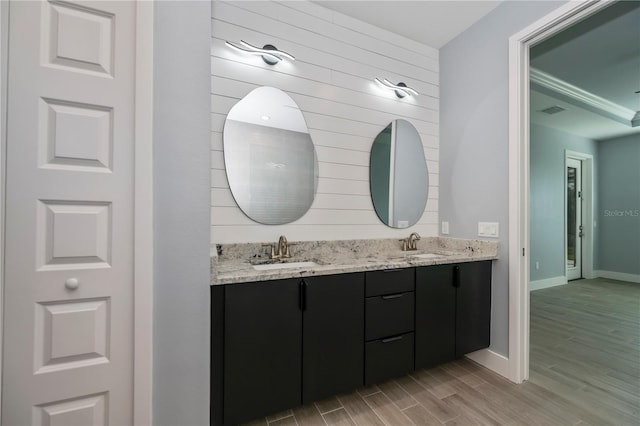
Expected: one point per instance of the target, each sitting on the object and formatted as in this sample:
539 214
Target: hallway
585 346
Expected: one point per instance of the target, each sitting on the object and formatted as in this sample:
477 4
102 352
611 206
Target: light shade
269 53
400 89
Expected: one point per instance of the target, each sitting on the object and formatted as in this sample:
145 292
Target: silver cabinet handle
392 296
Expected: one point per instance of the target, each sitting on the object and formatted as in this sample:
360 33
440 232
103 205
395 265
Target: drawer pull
456 276
392 339
392 296
303 295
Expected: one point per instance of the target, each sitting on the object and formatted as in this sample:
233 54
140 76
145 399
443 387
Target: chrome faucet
409 244
283 249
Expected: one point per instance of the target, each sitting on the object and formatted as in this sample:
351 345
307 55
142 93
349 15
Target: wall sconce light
269 53
401 89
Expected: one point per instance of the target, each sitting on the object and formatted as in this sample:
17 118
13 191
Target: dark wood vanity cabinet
286 342
278 344
453 311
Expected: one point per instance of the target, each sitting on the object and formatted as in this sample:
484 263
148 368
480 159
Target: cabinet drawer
389 281
388 358
389 315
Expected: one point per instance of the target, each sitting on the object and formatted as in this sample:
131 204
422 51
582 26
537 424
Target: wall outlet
488 229
445 228
537 266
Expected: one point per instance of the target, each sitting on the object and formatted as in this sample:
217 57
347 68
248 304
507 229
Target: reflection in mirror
398 175
269 157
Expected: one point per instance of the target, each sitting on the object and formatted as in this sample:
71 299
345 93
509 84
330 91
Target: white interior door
574 219
68 298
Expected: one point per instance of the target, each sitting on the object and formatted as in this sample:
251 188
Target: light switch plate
403 224
488 229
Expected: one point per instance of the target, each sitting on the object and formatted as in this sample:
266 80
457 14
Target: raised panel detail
74 235
84 411
71 334
75 135
77 38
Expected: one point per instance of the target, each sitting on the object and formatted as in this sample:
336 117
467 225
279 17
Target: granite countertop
233 263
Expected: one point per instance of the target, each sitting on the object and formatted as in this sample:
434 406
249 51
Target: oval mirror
269 157
398 175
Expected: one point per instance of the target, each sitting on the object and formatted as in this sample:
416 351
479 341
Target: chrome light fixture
401 89
270 54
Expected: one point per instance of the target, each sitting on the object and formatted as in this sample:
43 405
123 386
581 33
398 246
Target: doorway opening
567 16
519 184
579 215
573 218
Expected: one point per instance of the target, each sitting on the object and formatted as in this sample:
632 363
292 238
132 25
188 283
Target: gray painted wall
619 206
181 212
474 168
547 197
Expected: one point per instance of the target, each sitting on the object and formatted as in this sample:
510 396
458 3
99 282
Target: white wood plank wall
331 80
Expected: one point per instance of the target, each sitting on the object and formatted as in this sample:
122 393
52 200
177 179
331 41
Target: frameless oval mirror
269 157
398 175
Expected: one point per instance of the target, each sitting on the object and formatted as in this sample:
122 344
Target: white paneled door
68 299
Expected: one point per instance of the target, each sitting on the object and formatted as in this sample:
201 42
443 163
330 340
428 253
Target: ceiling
429 22
577 121
600 57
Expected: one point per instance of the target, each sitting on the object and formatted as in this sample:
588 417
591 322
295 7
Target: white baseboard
491 360
546 283
633 278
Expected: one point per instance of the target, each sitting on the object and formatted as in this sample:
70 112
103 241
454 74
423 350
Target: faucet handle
272 253
404 244
288 253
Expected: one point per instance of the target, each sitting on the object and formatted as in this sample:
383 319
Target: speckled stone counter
233 263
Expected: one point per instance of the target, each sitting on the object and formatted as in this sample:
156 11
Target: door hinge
523 251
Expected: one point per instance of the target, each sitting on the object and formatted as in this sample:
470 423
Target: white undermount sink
288 265
427 255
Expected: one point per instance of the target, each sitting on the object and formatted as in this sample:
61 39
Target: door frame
586 211
4 50
143 205
519 125
143 219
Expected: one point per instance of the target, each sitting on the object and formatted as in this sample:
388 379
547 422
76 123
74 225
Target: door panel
333 344
473 307
435 331
262 356
68 302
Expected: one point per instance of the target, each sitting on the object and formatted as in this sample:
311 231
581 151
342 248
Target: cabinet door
333 344
435 315
473 321
262 340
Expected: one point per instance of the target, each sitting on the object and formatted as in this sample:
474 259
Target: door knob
72 283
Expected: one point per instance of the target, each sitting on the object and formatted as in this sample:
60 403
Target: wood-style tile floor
585 370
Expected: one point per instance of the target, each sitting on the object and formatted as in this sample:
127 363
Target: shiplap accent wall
331 80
